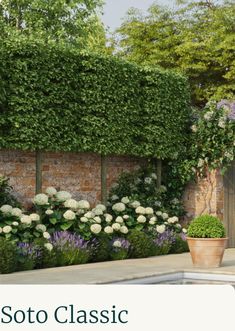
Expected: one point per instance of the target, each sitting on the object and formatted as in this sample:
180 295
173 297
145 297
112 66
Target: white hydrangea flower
80 211
34 217
159 213
172 220
41 228
97 219
6 209
221 123
84 219
165 216
49 212
208 115
125 217
119 219
89 214
62 196
51 191
117 244
16 212
119 207
140 210
108 218
200 163
175 201
179 226
83 204
154 176
95 228
6 229
15 223
40 199
116 226
152 222
141 219
48 246
194 128
125 200
148 180
184 230
0 230
101 206
108 230
163 188
69 215
153 219
161 228
124 229
71 204
46 235
97 211
25 219
135 204
149 211
114 197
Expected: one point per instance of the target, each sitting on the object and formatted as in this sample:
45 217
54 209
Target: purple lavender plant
70 248
124 244
27 255
62 240
165 238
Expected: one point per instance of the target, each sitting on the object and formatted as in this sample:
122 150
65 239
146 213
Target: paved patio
108 272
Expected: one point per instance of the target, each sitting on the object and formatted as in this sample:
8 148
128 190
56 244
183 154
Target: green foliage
196 38
206 226
121 254
8 256
141 244
46 258
213 144
73 22
58 99
26 256
6 196
141 185
99 249
179 245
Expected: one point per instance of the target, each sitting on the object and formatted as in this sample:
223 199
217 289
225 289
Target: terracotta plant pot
207 252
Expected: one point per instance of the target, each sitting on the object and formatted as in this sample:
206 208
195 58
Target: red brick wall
78 173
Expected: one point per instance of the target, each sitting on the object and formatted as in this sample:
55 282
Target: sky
115 10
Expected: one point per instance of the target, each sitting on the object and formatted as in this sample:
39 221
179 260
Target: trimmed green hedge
58 99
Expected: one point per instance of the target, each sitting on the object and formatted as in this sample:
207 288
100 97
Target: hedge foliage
58 99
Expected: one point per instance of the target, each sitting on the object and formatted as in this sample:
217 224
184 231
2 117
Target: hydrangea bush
141 185
64 231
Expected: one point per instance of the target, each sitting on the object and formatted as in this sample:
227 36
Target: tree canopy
197 38
70 22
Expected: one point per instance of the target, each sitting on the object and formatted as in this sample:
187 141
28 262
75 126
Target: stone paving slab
116 271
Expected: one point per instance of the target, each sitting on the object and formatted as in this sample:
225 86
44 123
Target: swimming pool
184 278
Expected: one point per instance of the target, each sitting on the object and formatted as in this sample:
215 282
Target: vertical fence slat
38 156
104 179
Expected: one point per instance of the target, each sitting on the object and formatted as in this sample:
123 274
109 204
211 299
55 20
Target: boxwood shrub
206 226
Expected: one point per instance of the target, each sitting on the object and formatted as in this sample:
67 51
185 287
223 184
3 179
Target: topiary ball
206 226
141 245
